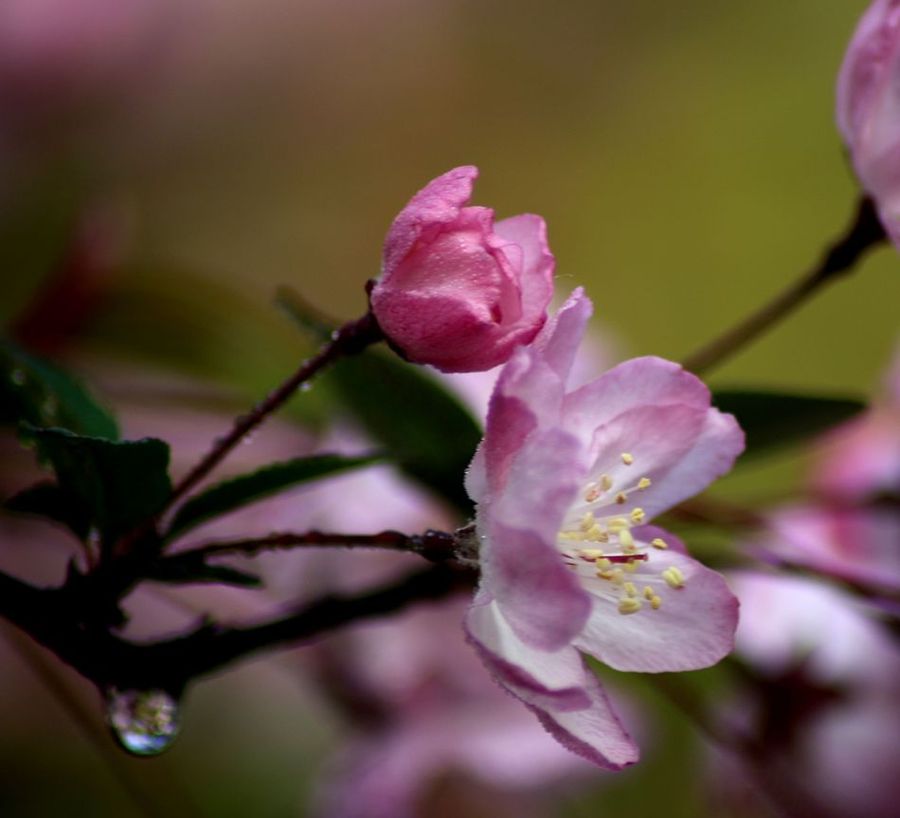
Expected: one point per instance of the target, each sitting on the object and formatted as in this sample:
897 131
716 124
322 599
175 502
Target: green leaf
183 569
119 484
239 491
420 424
37 392
55 503
773 419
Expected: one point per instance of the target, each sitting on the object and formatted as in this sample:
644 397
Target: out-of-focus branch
50 617
865 232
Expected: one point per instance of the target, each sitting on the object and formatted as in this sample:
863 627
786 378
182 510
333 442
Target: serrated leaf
120 484
248 488
38 392
184 569
55 503
772 420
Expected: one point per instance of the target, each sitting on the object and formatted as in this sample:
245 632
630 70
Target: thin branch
437 546
865 232
350 339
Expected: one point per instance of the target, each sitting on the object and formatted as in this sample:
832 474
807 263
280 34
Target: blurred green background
683 154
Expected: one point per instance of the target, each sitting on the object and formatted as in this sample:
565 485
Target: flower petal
529 232
439 202
561 336
594 732
557 686
693 628
549 678
645 381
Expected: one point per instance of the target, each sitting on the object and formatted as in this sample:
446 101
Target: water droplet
305 386
145 722
17 376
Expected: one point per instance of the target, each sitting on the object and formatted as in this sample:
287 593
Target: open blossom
868 108
566 483
458 291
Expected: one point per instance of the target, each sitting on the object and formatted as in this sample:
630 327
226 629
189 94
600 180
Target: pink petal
559 340
594 732
713 454
439 202
549 678
694 627
557 686
528 393
529 233
645 381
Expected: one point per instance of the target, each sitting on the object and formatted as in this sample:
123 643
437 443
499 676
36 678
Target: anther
630 589
621 497
606 482
649 593
662 545
627 459
637 515
644 483
656 603
627 541
673 577
628 605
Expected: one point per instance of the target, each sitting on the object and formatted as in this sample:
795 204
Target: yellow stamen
656 603
587 521
630 589
617 524
649 593
637 515
673 577
627 541
591 553
644 483
629 605
606 482
662 545
627 459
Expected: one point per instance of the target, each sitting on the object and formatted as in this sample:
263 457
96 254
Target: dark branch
350 339
49 617
865 232
436 546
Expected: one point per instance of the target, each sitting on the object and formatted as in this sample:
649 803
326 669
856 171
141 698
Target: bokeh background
203 152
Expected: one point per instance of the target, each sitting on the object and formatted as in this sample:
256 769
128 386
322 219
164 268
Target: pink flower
458 291
565 483
868 108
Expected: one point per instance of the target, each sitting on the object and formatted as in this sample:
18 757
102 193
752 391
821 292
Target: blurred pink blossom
868 108
823 696
568 563
457 290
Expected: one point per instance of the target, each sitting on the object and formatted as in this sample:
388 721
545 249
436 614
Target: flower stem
350 339
864 233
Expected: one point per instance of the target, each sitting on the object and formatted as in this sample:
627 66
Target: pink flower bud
868 108
458 291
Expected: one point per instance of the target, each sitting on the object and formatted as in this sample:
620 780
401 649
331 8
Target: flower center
596 541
